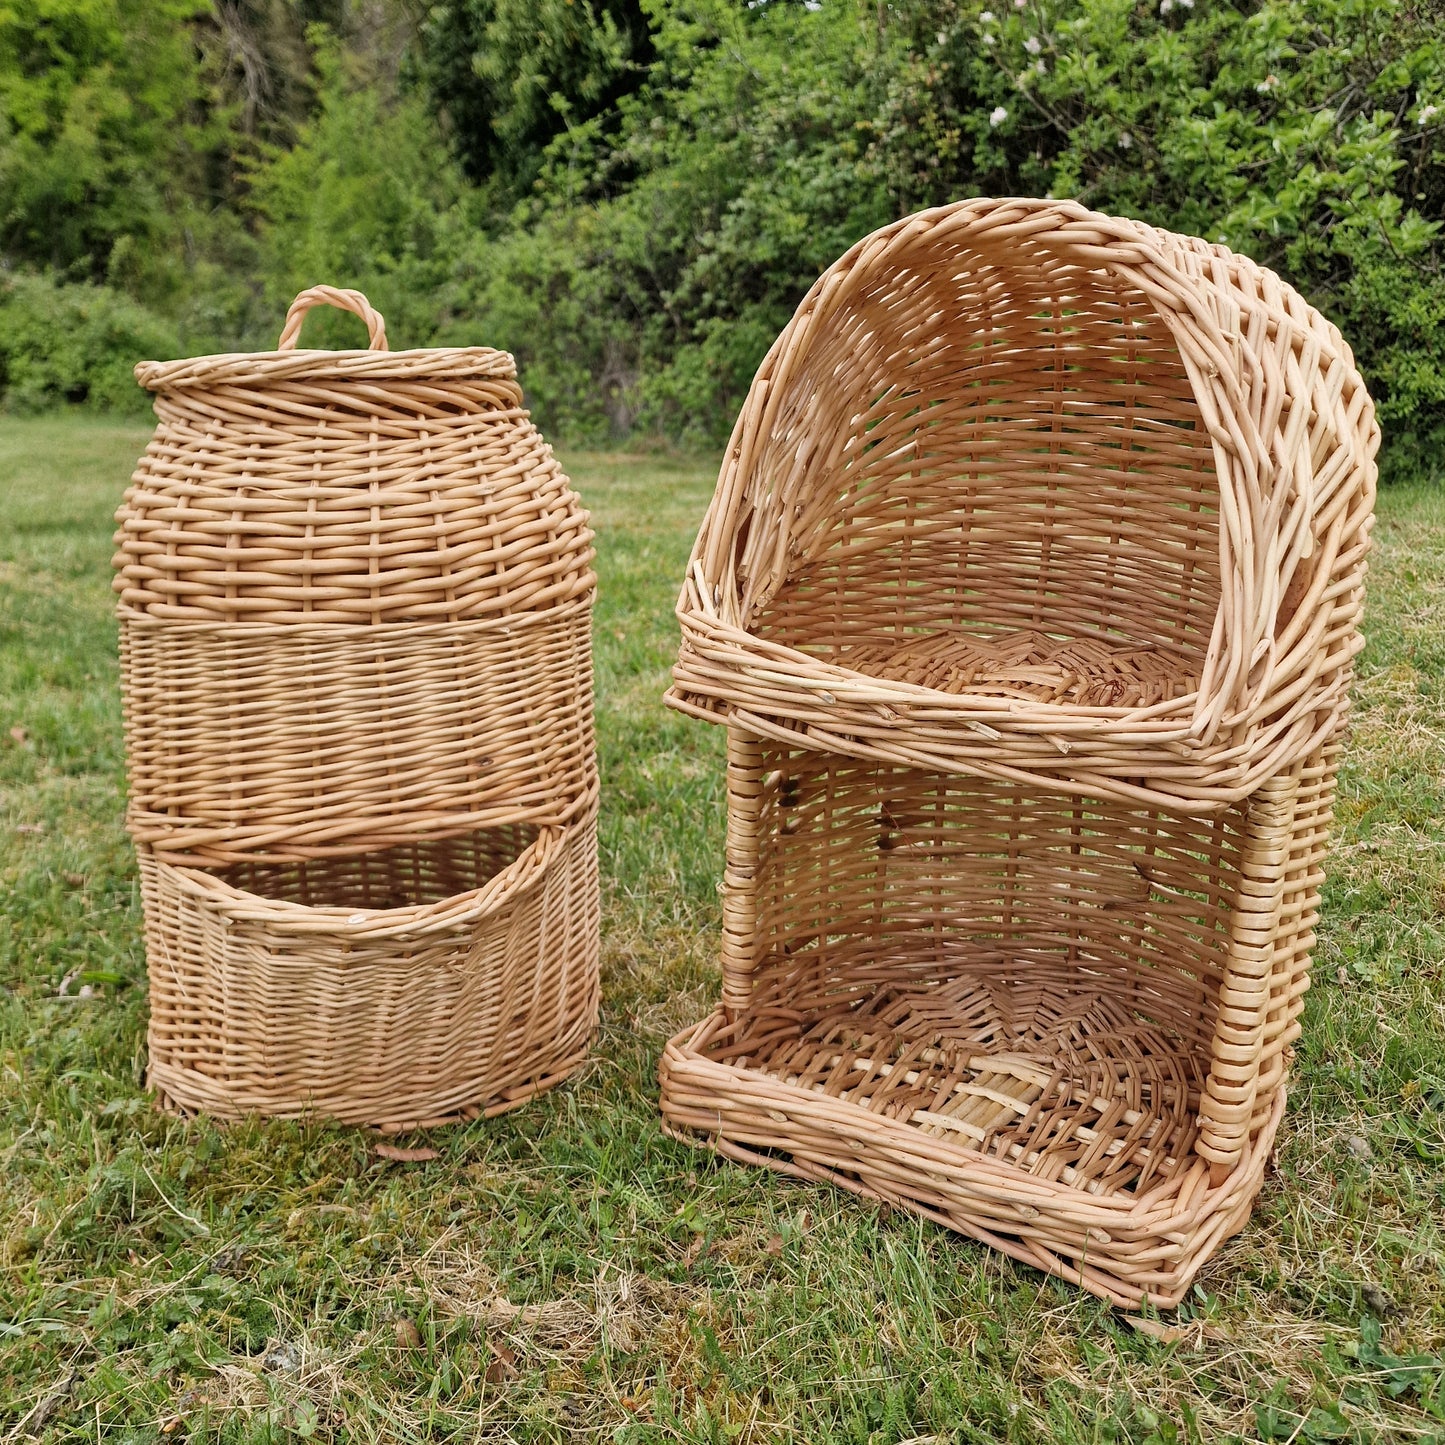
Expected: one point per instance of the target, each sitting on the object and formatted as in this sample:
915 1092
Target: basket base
1030 666
1041 1117
171 1089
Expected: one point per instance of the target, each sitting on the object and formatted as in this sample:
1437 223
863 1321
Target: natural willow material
355 610
403 988
354 604
1029 595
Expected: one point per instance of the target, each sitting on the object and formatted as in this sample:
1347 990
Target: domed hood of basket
1011 418
347 486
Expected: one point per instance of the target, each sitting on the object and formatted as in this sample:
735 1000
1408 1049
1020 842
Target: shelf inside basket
1042 1069
397 877
1032 666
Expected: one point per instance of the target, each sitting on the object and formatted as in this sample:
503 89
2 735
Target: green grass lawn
567 1273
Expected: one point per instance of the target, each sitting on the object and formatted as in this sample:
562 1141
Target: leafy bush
364 199
75 343
95 128
1309 134
544 294
510 75
633 195
678 235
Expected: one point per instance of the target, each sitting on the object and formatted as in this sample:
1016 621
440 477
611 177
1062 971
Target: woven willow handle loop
352 301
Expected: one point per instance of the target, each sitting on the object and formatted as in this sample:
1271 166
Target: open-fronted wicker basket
355 607
1029 595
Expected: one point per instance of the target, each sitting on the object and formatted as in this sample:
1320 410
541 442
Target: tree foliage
1306 133
74 343
367 193
512 75
95 129
633 195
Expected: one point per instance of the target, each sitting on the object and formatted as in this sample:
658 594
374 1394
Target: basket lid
361 487
288 364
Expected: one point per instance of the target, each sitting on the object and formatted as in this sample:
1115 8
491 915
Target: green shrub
543 293
678 235
97 104
75 343
511 75
1309 134
680 189
366 198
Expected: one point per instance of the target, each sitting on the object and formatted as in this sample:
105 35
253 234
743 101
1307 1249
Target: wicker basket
402 988
355 607
1029 595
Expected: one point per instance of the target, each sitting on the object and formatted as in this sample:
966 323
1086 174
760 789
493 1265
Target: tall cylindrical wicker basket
355 607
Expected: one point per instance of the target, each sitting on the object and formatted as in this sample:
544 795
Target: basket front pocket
402 987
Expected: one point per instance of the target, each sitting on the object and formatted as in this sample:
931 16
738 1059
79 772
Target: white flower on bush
986 18
1125 140
1040 68
989 38
1033 45
1165 6
1021 4
1427 114
997 116
1269 83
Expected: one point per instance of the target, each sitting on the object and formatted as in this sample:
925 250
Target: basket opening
1011 961
1061 1082
397 877
1014 465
